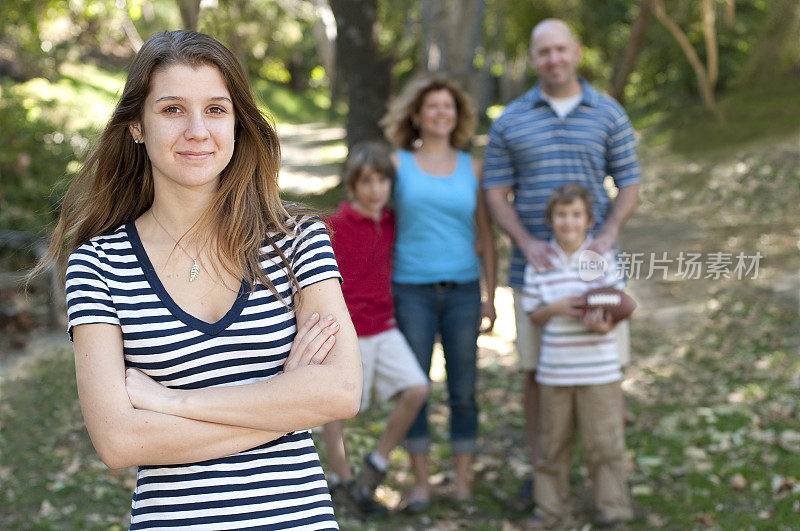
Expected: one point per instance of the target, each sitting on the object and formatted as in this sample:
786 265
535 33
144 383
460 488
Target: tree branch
706 91
712 51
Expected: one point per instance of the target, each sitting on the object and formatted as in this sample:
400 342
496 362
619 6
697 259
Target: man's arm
538 253
624 205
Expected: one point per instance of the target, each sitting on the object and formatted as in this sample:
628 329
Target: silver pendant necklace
195 270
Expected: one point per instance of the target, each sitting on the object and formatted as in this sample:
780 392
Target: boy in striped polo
579 370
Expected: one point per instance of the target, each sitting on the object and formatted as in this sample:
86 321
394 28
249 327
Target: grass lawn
715 442
714 387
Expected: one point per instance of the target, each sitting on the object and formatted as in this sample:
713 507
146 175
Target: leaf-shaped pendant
194 271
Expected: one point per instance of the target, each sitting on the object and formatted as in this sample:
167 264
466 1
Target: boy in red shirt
363 235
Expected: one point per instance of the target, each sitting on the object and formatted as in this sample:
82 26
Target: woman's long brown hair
115 185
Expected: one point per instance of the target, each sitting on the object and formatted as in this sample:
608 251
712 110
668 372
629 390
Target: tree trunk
361 67
712 50
452 31
324 29
630 52
235 9
433 16
465 36
190 13
704 80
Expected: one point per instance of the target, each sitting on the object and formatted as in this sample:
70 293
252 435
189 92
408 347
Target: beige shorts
529 338
389 365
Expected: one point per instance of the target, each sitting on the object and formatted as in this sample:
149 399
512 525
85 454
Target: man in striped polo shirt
561 131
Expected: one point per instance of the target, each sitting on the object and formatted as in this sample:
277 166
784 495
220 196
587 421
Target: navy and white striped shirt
278 485
534 151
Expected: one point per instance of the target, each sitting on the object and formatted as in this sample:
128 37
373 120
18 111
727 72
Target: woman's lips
195 155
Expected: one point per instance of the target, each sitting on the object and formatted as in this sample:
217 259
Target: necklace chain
195 269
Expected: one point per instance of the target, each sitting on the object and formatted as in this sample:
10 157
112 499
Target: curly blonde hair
398 125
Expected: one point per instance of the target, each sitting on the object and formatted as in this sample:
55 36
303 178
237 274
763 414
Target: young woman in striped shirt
209 329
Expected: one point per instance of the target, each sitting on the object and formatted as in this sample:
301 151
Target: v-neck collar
212 329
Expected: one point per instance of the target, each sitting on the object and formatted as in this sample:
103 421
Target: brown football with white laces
616 302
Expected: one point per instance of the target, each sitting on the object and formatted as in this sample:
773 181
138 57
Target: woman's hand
314 340
598 321
146 393
487 314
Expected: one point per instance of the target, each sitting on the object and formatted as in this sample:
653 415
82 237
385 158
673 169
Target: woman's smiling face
438 114
188 126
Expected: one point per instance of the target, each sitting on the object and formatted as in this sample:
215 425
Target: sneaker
538 521
523 499
343 501
364 490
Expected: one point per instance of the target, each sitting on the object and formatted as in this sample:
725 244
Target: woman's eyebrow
180 98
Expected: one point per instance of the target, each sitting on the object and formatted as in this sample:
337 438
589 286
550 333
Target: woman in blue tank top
444 240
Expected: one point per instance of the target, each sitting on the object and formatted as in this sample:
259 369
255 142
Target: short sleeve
312 258
531 290
88 296
498 169
621 159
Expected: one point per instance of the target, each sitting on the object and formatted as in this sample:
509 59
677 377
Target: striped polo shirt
278 485
534 151
571 353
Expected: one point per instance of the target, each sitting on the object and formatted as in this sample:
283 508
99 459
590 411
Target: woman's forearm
124 436
303 398
150 438
488 247
306 395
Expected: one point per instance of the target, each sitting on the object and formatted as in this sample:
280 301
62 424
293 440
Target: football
614 301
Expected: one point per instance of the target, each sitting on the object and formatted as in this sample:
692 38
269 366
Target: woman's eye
172 109
216 110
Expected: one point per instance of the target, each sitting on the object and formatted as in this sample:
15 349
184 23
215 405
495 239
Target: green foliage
273 39
664 76
36 155
753 113
46 131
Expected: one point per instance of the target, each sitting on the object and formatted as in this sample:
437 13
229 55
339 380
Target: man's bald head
551 25
555 54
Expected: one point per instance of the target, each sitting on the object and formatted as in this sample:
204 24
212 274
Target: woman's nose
196 127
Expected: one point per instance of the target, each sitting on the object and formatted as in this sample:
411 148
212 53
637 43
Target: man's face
555 55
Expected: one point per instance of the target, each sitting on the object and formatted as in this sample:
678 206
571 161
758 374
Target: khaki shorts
389 365
529 338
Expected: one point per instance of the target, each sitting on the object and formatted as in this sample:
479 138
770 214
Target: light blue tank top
435 223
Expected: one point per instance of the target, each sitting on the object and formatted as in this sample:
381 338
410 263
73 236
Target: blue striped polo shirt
534 151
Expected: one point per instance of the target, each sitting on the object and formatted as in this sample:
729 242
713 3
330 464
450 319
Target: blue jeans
451 310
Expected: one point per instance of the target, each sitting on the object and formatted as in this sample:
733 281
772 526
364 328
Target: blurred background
713 90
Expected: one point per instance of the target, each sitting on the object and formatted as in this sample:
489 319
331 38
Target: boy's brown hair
374 155
566 194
